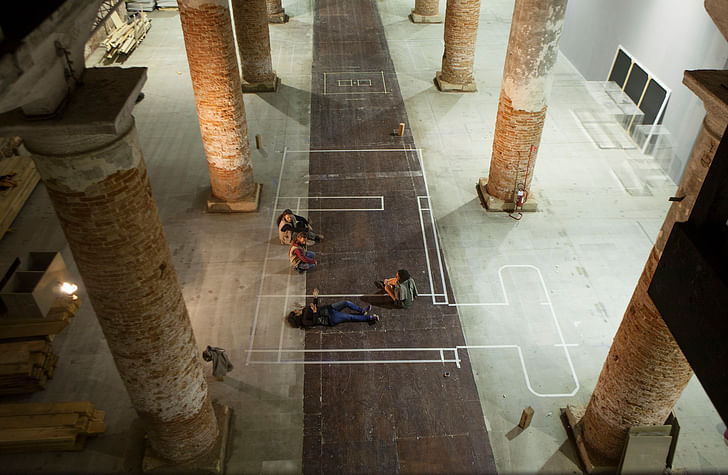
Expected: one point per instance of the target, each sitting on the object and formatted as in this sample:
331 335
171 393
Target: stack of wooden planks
19 179
35 427
26 366
58 318
124 39
27 359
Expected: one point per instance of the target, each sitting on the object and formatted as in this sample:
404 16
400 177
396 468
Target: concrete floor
540 297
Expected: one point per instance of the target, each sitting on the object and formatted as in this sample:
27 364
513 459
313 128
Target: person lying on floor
330 315
289 225
401 288
301 259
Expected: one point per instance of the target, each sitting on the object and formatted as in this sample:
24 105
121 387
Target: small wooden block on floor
526 417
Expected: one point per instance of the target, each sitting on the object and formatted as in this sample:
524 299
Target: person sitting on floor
290 224
330 315
301 259
401 288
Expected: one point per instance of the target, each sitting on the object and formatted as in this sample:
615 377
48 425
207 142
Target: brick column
461 29
208 34
426 11
276 12
91 163
645 371
533 48
251 30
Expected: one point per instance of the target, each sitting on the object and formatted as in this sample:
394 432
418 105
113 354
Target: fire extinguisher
520 197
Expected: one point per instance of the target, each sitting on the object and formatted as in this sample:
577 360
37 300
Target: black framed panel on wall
643 88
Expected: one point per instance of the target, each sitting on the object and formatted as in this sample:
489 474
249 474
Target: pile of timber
26 366
18 178
58 318
27 359
126 38
37 427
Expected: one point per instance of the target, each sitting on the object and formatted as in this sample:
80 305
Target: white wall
667 37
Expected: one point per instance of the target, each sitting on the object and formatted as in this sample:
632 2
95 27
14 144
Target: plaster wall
667 37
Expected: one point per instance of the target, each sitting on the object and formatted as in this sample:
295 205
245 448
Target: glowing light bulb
68 288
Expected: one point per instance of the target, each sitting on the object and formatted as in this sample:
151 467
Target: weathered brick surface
113 228
251 30
513 160
208 34
532 52
642 377
645 371
427 7
461 28
274 7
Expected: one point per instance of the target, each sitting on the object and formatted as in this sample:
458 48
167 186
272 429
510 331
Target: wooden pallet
13 199
58 317
36 427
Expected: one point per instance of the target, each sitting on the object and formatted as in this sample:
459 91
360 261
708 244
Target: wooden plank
59 316
10 437
12 200
39 420
526 417
27 345
82 407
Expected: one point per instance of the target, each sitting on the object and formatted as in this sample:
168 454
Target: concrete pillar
461 29
426 11
251 30
276 12
91 162
208 34
533 48
645 371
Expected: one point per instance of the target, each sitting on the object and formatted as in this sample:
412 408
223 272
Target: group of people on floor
295 231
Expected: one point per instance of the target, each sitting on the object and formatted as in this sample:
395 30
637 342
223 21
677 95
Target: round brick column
426 11
208 35
645 371
461 29
100 190
533 48
276 13
251 31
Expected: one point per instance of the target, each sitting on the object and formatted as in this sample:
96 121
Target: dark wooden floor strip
378 417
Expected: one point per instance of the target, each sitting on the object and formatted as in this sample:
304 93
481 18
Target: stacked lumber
126 38
20 180
26 366
37 427
58 318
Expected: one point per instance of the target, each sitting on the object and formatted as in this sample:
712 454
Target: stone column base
211 463
417 18
250 205
445 86
278 17
266 86
491 203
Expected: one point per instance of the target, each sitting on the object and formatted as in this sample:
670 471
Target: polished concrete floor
539 299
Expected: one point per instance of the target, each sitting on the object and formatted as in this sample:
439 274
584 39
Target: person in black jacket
330 315
290 224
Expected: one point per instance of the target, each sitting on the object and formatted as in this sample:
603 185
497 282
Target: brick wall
114 231
208 34
251 29
515 132
461 28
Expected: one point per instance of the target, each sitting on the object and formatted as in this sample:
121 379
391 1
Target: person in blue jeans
330 315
